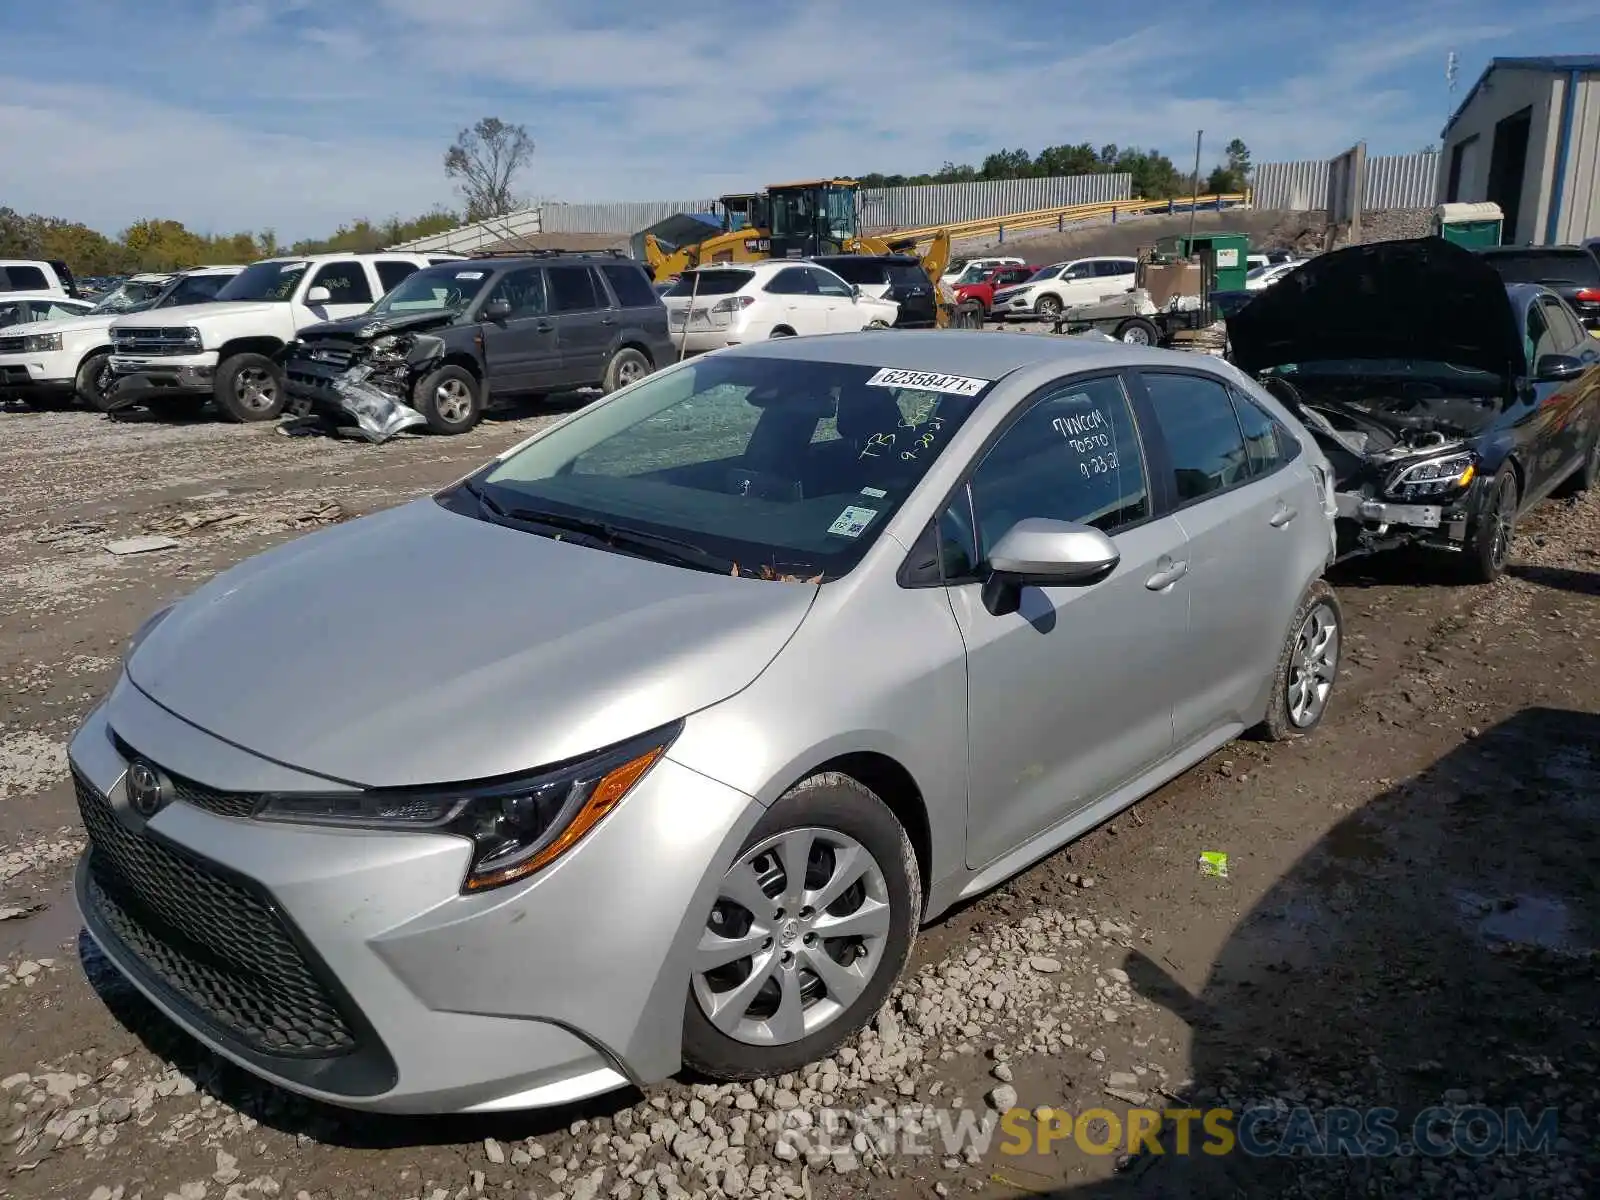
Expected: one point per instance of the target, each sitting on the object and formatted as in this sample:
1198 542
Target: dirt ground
1410 914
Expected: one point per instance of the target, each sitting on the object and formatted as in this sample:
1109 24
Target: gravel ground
1409 917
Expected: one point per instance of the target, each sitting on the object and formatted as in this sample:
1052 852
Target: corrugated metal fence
950 203
1395 181
624 216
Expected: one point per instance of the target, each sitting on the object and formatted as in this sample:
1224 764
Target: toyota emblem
146 790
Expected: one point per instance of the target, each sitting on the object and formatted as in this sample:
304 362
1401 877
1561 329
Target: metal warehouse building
1527 138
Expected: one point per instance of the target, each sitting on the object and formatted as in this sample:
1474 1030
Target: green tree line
1155 176
154 244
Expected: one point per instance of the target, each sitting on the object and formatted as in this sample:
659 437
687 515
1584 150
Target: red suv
983 291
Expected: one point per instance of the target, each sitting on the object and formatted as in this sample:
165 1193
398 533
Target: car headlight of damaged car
1433 478
516 826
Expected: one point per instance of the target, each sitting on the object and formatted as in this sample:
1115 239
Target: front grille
10 345
187 791
333 354
216 943
154 341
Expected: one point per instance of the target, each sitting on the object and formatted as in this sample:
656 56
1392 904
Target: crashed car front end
363 373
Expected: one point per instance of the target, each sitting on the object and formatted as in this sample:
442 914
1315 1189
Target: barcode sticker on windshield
469 274
928 381
853 521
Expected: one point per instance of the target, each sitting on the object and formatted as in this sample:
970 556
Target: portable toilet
1469 225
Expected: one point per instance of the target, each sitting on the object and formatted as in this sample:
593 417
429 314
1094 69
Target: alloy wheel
452 401
255 389
1505 515
797 932
629 371
1314 667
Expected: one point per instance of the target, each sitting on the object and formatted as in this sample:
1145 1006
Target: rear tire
1489 550
1308 666
450 399
844 823
781 331
626 366
1136 331
249 387
1587 476
94 382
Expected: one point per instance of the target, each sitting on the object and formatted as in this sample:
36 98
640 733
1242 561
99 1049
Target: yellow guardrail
1061 217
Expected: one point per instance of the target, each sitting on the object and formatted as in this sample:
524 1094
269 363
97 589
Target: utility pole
1194 200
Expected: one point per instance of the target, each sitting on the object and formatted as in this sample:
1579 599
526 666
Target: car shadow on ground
1582 583
1438 947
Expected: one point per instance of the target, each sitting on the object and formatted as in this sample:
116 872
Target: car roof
959 351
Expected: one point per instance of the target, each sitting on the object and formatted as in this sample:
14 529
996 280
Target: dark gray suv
453 339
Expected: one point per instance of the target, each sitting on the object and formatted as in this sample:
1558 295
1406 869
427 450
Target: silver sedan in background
654 741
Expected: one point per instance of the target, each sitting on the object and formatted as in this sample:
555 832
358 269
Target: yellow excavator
798 220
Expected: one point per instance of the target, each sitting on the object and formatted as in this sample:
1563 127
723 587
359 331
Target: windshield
1046 273
1258 272
272 280
1547 266
976 273
793 214
713 282
777 466
433 289
193 289
130 297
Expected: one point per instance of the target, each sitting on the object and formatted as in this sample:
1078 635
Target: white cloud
299 115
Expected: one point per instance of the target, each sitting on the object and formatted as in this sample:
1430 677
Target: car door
521 351
1244 505
1540 416
1114 275
1079 283
837 299
1068 697
799 304
585 322
349 291
1571 402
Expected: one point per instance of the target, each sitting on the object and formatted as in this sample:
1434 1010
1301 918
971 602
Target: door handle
1167 576
1283 516
608 320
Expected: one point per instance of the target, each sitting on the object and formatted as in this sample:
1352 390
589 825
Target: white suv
54 361
225 351
1063 284
729 303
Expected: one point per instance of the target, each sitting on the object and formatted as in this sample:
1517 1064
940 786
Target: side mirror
855 291
1039 552
497 309
1554 368
319 295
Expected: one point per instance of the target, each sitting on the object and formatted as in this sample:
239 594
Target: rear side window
346 282
632 288
710 283
1267 444
1202 434
571 289
26 279
794 281
392 271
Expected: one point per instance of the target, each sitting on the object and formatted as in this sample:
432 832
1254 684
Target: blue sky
300 114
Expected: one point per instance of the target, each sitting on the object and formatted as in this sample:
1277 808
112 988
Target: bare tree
485 158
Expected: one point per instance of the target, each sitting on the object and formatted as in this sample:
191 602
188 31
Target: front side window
1569 335
274 281
346 283
1537 338
1202 434
1079 271
772 465
524 291
572 289
1074 455
829 284
792 281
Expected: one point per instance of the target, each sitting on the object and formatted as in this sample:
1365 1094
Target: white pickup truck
224 351
52 362
37 276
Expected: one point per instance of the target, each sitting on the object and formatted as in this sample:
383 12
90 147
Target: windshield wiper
618 537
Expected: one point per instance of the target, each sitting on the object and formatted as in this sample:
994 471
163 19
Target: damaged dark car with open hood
1447 401
452 339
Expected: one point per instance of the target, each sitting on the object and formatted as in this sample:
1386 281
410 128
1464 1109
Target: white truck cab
66 356
38 276
225 351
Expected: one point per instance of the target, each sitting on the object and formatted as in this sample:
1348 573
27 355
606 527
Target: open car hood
1422 298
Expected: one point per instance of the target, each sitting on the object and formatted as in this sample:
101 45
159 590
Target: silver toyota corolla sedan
654 741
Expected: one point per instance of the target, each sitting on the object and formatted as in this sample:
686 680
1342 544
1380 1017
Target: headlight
1434 478
384 344
143 631
516 827
37 342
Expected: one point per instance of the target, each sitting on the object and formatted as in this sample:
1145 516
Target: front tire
249 387
450 399
1490 548
808 934
1308 666
94 382
1048 306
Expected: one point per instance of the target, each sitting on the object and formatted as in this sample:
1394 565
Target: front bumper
1012 306
379 984
48 374
1370 522
171 375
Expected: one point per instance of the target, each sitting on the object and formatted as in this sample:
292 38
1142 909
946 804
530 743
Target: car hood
60 325
1421 298
162 318
421 646
365 328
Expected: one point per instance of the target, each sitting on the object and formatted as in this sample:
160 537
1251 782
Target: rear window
858 270
712 283
1546 266
25 279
